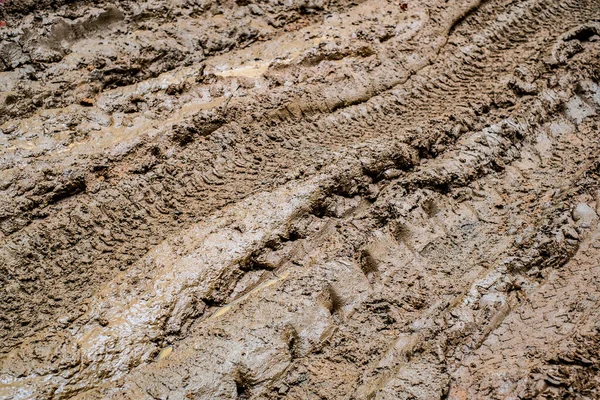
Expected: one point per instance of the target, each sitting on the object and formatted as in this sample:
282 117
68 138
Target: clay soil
300 199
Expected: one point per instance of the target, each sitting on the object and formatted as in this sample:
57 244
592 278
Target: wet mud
307 199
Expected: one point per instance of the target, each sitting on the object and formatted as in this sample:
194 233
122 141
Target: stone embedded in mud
86 101
164 353
584 214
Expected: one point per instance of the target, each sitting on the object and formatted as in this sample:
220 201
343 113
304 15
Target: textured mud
305 199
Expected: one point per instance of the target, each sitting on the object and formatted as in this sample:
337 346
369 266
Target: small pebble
164 353
584 213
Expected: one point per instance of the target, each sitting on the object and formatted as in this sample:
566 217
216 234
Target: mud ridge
312 199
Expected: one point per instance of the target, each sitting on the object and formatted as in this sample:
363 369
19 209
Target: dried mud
306 199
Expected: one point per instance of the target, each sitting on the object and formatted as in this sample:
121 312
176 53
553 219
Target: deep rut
358 212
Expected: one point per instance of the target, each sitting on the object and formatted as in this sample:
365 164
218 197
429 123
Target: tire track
152 193
281 148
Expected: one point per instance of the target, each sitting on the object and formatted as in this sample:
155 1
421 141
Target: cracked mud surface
307 199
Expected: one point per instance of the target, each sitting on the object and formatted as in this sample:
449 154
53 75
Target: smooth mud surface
303 199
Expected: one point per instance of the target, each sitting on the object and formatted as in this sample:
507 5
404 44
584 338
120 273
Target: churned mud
304 199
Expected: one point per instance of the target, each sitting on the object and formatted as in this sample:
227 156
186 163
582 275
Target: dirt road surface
300 199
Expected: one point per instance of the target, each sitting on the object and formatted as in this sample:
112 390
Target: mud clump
303 199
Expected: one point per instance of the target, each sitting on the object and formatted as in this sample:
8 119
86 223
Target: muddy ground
300 199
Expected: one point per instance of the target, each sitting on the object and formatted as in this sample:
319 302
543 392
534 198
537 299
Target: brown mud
304 199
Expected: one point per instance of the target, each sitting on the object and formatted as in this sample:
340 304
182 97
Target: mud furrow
374 270
311 134
352 198
402 232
